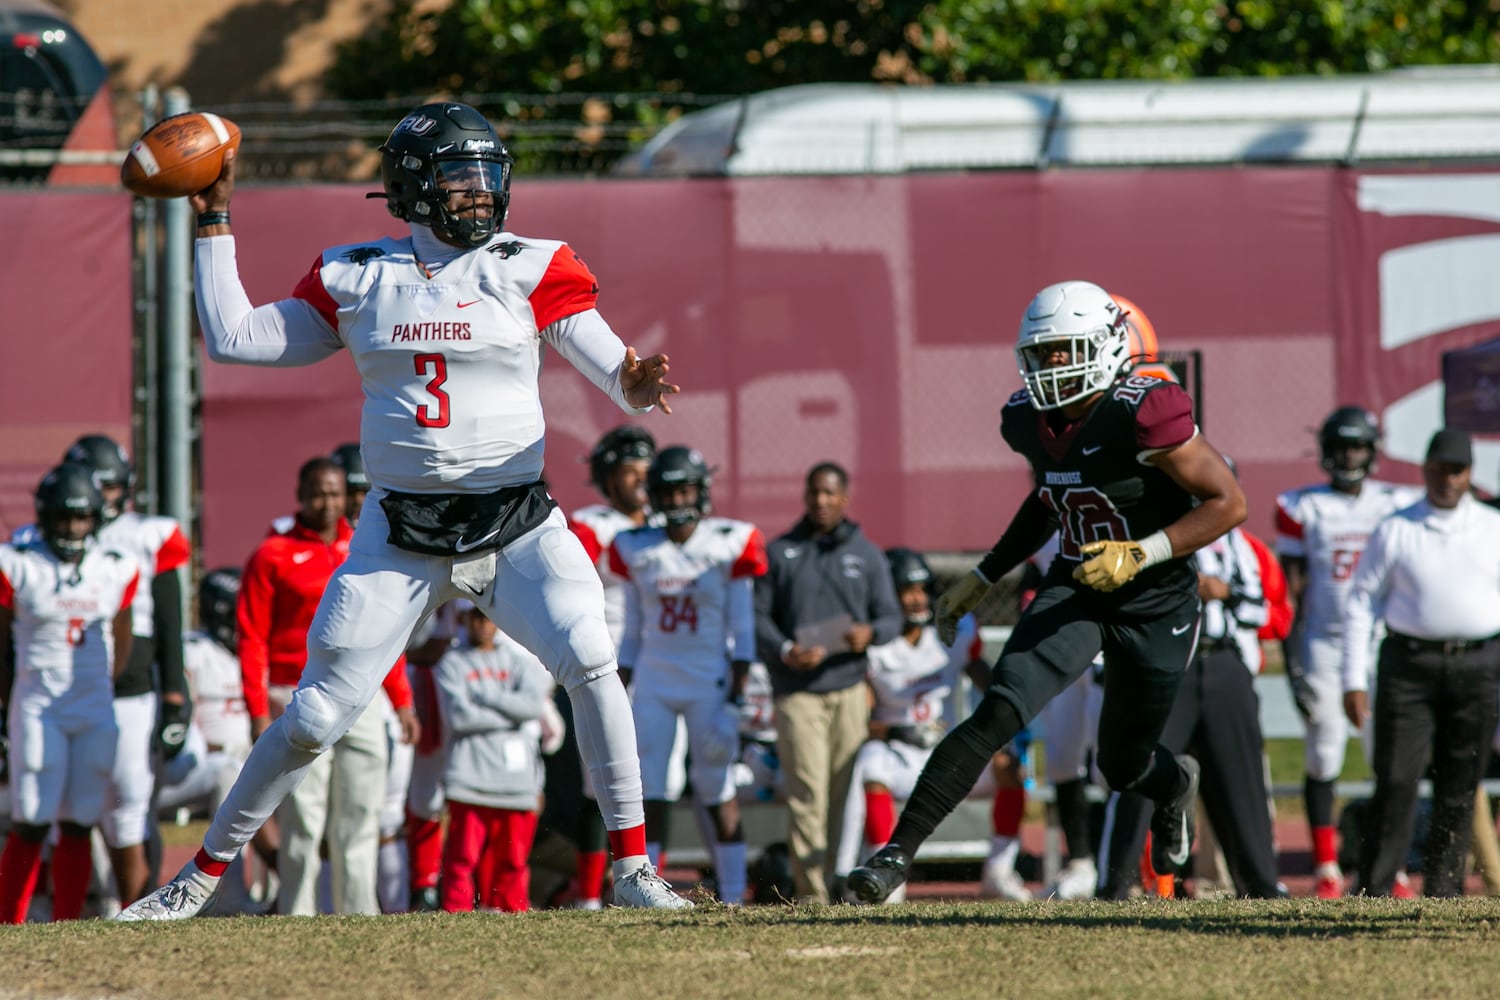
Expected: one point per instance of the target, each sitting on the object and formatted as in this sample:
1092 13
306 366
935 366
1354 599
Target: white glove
957 601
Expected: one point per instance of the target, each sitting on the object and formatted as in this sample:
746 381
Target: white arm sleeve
741 615
282 334
589 344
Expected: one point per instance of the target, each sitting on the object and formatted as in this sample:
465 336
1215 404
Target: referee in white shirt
1431 572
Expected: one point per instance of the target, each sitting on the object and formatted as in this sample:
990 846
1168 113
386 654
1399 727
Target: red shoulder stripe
312 291
753 561
7 592
566 289
590 540
617 562
174 552
1285 525
128 598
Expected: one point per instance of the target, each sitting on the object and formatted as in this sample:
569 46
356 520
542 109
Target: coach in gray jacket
827 598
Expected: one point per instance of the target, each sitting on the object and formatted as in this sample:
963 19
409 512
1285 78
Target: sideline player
1321 530
1117 464
65 600
151 694
689 633
452 436
912 679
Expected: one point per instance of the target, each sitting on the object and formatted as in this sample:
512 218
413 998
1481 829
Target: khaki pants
341 797
817 736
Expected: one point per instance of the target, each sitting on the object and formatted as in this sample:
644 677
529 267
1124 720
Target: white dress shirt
1429 573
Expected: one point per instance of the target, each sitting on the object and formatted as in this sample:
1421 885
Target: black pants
1217 717
1428 702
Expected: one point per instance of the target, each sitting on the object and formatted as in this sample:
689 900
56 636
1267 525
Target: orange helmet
1142 334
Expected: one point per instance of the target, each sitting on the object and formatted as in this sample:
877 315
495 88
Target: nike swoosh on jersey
301 557
1090 451
1179 631
465 305
464 545
792 553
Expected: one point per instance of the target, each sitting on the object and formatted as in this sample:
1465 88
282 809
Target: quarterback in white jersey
65 605
689 630
1321 530
446 328
912 680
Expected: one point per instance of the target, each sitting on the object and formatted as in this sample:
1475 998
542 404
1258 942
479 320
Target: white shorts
1069 725
712 744
1328 731
59 761
131 780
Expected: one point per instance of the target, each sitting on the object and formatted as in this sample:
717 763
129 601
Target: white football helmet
1079 318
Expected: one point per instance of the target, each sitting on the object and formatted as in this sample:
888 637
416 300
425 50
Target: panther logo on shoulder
1018 397
362 255
507 250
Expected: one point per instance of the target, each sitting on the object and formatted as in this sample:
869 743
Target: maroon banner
66 322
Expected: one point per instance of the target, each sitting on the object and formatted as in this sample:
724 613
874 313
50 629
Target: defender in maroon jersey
1122 474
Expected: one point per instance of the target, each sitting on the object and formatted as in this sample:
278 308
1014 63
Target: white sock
391 876
624 866
729 861
653 851
1004 850
606 743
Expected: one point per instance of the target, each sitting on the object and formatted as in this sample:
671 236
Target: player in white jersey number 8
446 327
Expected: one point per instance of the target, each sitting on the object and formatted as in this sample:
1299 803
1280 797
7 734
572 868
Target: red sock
591 865
424 848
19 864
629 842
1325 845
72 865
209 865
1010 805
880 817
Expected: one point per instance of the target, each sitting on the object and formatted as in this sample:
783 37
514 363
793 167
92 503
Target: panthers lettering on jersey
693 599
596 527
913 684
63 617
1095 476
449 361
1330 530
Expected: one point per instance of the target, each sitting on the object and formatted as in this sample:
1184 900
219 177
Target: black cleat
882 875
425 900
1173 824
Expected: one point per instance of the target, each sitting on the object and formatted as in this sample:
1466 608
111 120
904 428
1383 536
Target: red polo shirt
279 594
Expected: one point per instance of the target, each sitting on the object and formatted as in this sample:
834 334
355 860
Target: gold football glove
957 601
1114 564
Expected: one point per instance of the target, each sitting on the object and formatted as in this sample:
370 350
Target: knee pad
313 723
586 652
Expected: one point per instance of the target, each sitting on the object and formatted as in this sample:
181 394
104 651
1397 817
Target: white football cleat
1079 879
645 889
1000 881
187 895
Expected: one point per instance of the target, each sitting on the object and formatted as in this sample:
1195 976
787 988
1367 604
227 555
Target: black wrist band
213 219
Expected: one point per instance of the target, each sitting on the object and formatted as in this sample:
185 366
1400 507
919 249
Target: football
179 155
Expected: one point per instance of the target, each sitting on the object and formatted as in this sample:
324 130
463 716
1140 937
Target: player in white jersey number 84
446 327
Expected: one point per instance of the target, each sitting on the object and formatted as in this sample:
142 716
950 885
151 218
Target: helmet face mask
111 468
1347 442
1073 343
444 167
675 467
914 585
69 510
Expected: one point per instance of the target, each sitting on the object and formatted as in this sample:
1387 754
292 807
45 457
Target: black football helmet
621 444
348 458
66 491
110 464
1345 428
908 568
218 601
451 143
675 466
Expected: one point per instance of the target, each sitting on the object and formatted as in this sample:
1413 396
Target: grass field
1155 949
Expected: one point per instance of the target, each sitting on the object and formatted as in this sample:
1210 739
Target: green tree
584 79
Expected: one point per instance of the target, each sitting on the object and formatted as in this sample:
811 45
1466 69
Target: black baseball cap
1451 446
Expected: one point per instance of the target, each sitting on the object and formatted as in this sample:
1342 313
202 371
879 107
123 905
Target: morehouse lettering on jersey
430 331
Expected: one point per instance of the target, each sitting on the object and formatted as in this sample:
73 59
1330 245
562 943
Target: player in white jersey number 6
446 327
